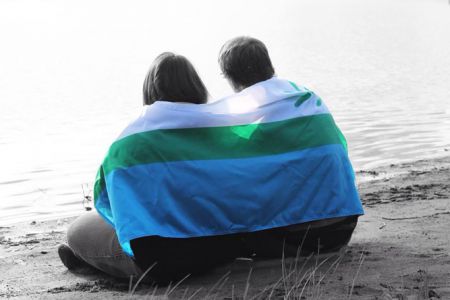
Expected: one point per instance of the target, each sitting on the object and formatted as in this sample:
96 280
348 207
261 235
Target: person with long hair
91 240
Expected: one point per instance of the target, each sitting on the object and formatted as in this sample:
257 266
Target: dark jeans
95 242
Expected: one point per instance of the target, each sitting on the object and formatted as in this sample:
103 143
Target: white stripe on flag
269 101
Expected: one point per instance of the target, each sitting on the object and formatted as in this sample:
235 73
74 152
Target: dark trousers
175 258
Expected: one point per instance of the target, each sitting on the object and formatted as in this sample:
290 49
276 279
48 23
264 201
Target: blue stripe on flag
179 199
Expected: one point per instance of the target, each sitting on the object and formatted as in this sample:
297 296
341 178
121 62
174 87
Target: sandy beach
400 250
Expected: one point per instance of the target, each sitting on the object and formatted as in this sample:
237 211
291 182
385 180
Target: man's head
245 61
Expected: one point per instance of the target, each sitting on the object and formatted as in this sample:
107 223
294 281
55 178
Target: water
71 75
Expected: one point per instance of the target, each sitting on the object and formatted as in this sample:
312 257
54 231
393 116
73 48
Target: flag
267 157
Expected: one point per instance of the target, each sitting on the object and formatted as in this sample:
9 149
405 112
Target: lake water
71 75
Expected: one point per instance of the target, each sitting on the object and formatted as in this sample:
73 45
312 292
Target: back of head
245 61
173 78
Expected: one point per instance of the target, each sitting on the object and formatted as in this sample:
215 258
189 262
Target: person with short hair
245 61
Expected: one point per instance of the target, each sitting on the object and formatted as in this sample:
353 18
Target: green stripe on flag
227 142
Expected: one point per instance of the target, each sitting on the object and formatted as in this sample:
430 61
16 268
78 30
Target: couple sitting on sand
191 185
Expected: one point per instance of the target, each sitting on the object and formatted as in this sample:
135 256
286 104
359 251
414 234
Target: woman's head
173 78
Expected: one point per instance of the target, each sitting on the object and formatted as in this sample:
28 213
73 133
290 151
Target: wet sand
400 250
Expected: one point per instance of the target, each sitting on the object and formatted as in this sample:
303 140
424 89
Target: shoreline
400 249
362 175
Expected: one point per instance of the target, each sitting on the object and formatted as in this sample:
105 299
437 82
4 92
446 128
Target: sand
400 250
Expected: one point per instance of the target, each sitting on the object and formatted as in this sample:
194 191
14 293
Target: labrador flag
267 157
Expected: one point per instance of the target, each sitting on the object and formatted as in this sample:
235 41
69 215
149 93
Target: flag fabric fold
267 157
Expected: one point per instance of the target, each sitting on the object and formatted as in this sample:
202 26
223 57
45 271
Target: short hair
173 78
245 61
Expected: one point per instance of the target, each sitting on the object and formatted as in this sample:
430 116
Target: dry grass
302 278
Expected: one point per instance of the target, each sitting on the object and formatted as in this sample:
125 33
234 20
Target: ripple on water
68 194
14 207
41 171
25 193
14 181
67 203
